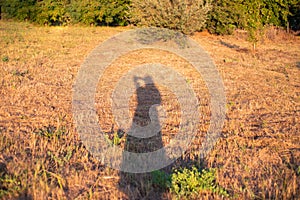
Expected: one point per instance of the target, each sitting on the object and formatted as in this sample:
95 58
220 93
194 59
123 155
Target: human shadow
148 97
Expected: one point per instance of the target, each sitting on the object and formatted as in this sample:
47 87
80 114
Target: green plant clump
5 59
161 179
189 183
51 132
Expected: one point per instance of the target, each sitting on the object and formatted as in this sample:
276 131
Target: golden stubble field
257 157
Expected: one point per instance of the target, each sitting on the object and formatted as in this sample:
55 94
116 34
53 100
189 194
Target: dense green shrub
294 18
99 12
86 12
225 16
51 12
63 12
228 15
116 12
186 16
19 9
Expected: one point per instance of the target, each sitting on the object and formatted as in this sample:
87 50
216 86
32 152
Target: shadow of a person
138 186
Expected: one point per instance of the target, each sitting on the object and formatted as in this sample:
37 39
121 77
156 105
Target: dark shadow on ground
4 174
231 46
141 185
138 186
234 47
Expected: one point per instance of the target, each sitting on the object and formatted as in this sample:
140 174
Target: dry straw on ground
258 156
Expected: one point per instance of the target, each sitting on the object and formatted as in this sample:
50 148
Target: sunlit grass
41 153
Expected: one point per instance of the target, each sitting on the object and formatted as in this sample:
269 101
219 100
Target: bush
294 17
99 12
51 12
116 12
63 12
86 12
225 16
228 15
186 16
20 10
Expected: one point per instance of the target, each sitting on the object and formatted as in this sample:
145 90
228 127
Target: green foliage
294 17
5 59
61 159
51 12
181 15
116 12
225 16
186 16
228 15
20 10
86 12
298 170
99 12
9 185
161 179
116 139
51 132
20 73
188 183
254 23
64 12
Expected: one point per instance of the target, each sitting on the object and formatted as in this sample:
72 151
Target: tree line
187 16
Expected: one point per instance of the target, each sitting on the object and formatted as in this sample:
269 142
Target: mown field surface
42 157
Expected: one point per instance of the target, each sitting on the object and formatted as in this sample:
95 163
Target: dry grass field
42 157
